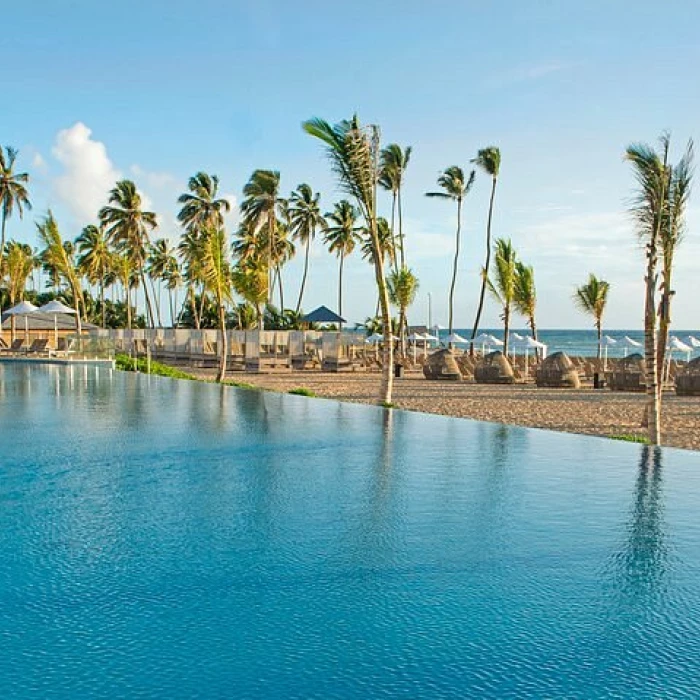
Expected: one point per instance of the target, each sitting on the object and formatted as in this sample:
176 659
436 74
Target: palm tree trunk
340 285
127 301
202 302
102 302
280 288
2 253
193 304
171 306
393 234
506 328
156 301
653 407
486 269
533 328
403 253
149 309
306 269
224 344
454 265
664 323
599 328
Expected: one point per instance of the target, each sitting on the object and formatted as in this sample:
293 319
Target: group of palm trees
118 251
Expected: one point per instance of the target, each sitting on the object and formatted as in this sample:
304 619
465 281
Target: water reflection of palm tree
641 563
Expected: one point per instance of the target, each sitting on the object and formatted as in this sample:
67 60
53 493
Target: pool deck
61 361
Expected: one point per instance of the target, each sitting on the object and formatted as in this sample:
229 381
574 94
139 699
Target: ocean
584 342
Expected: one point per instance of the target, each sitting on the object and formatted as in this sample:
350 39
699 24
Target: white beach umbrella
415 337
530 343
675 343
607 342
22 309
693 342
54 308
456 338
630 343
374 338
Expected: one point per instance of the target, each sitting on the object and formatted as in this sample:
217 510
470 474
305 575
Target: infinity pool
165 539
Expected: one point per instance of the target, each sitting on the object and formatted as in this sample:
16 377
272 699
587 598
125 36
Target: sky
156 91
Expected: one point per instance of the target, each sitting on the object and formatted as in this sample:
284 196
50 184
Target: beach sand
593 412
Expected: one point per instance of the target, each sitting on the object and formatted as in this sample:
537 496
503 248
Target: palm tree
386 248
249 280
217 275
13 191
456 188
58 255
95 259
525 294
283 248
591 299
341 236
201 206
503 287
659 213
122 266
393 161
161 260
305 217
127 227
672 233
489 160
403 287
18 264
260 209
354 155
172 276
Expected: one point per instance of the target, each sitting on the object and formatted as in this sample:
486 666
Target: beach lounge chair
39 345
15 347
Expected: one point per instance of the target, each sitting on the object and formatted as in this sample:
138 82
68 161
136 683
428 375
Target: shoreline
598 412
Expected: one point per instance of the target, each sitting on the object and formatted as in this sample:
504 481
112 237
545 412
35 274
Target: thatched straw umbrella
442 365
558 371
494 369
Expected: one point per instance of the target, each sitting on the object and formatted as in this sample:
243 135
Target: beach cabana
628 375
558 371
322 315
442 365
494 369
688 379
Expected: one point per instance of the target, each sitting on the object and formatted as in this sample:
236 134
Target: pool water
169 539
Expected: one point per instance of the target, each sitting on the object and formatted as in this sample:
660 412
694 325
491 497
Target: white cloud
88 172
38 162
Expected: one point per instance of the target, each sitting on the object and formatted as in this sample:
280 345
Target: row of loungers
39 346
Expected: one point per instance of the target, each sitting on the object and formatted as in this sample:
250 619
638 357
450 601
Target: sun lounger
39 345
15 347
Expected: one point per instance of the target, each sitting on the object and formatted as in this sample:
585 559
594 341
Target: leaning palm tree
403 287
56 254
13 190
305 217
95 259
659 211
354 155
393 161
526 295
127 227
489 160
456 188
341 236
217 275
503 285
591 298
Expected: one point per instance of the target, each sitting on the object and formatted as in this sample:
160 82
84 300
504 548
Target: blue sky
157 90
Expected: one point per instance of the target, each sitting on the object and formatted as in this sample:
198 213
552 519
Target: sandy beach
593 412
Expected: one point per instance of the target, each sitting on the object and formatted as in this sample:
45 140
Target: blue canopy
322 315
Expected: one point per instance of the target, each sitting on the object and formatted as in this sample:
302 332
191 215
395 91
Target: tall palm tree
56 254
161 261
354 155
393 161
455 188
95 259
123 267
260 209
526 295
672 233
305 217
217 274
659 213
341 236
18 264
489 160
591 298
503 286
127 227
13 190
403 287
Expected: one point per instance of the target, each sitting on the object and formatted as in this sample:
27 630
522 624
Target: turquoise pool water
164 539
